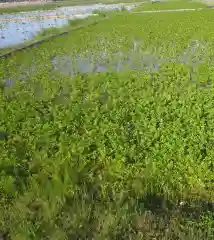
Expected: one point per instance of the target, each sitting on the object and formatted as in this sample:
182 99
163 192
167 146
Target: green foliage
114 155
168 5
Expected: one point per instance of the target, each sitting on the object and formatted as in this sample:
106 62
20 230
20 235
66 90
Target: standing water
19 27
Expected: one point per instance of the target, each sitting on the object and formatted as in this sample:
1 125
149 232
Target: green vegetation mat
171 5
122 153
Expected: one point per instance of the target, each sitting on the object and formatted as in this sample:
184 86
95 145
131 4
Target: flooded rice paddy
19 27
136 59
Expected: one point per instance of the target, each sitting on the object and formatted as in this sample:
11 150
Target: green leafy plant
123 153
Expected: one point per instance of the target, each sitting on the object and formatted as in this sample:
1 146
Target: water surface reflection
18 27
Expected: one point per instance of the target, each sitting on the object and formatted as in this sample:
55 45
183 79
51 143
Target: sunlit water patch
19 27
